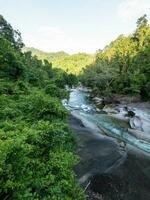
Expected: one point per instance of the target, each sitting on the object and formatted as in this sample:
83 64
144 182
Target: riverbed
113 164
108 124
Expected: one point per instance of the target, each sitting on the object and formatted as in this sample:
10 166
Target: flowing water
83 109
112 161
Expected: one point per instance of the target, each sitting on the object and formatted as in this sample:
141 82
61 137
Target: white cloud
132 9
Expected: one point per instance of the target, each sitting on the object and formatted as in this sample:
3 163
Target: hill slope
70 63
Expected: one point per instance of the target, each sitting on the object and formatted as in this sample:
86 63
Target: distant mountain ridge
70 63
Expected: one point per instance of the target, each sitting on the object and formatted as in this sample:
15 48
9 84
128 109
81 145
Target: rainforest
75 126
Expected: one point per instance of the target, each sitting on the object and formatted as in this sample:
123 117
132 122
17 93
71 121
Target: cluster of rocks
139 127
101 102
114 99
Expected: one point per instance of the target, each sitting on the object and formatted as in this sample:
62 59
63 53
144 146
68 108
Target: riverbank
111 173
114 122
127 109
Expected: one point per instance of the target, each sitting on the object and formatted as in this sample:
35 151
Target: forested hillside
123 67
69 63
36 145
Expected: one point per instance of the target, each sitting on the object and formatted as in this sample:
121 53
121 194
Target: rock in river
136 123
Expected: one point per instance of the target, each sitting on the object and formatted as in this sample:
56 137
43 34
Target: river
114 163
83 109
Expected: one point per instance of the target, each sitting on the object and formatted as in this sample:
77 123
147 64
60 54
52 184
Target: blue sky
73 25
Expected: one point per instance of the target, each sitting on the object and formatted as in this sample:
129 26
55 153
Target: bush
36 146
54 91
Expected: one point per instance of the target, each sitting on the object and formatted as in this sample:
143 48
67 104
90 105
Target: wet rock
115 174
110 110
99 102
111 177
136 123
124 99
65 102
100 106
130 113
85 108
101 111
97 110
111 100
76 122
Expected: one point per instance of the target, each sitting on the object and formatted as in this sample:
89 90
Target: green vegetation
123 67
37 149
70 63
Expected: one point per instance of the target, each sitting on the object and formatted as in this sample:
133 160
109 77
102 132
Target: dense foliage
123 67
36 145
70 63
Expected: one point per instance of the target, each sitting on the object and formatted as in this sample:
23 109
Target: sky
73 25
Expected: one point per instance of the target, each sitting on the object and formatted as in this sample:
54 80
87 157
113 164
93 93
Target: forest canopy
74 63
122 67
37 149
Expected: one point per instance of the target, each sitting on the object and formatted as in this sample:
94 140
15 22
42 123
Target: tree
143 29
37 149
7 32
123 66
